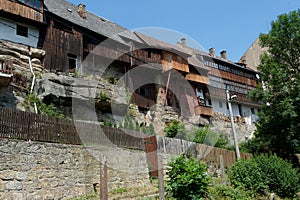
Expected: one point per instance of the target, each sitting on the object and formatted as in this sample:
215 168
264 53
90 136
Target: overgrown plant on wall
42 108
203 135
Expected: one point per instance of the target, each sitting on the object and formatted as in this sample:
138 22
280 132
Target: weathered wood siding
171 60
145 56
197 78
220 93
107 49
19 9
58 43
233 77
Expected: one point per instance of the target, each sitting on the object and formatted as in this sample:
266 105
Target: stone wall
34 170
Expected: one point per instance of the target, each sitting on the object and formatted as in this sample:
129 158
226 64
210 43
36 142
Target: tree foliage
279 124
266 174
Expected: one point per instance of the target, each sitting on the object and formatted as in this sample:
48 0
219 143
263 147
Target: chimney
183 41
82 11
224 54
212 52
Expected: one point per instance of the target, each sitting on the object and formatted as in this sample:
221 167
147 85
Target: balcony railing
197 78
204 110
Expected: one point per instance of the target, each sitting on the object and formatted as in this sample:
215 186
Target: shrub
279 174
248 174
43 108
207 136
266 173
229 193
187 179
175 128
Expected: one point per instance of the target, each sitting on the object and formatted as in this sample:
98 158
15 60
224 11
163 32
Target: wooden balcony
23 10
204 110
142 101
197 78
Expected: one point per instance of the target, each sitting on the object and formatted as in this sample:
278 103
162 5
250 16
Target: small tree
187 179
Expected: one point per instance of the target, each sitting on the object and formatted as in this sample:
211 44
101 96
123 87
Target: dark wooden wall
60 41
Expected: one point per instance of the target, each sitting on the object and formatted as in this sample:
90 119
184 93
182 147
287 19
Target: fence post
161 177
103 179
222 170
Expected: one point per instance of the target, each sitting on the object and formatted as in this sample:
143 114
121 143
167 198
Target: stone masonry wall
35 170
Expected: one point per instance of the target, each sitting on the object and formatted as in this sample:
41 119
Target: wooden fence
29 126
16 124
208 154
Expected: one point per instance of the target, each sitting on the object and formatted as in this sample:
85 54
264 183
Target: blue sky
230 25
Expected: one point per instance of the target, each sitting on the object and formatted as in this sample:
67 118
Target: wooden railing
204 110
197 78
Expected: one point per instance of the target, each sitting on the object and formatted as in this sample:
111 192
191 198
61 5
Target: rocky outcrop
221 123
17 55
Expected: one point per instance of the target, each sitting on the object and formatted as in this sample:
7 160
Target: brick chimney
82 11
224 54
212 52
183 41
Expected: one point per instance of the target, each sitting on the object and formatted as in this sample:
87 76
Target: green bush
279 174
187 179
175 128
207 136
42 108
266 173
248 174
230 193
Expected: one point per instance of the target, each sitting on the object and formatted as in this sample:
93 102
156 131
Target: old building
236 77
20 21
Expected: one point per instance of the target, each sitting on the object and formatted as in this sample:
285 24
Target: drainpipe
33 80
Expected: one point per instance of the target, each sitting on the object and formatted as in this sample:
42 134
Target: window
220 105
22 30
32 3
252 111
72 61
143 92
149 54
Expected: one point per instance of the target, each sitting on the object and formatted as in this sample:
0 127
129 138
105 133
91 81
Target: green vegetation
103 96
130 124
202 135
175 128
279 126
42 108
266 174
228 192
187 179
207 136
